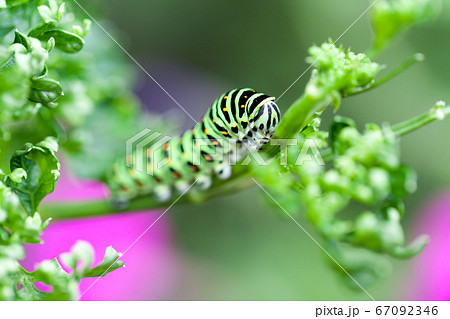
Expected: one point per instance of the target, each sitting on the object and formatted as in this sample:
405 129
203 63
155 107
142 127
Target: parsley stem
438 112
418 57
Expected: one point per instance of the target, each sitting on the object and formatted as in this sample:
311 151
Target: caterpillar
239 121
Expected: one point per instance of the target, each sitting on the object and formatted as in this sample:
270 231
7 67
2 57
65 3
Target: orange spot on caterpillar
157 179
206 131
225 109
139 184
176 175
225 97
242 106
224 132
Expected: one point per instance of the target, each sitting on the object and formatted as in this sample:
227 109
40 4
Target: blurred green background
235 247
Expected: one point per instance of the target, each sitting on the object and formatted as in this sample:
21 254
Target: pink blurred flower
430 279
150 263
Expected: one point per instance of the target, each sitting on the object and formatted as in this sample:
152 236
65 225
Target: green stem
418 57
66 210
438 112
297 116
69 210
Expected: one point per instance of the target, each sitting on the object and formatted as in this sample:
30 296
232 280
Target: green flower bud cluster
391 17
337 72
368 169
361 170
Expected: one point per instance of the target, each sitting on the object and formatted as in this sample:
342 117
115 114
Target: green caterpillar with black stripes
238 122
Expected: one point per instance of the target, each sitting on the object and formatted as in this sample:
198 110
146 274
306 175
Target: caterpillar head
265 121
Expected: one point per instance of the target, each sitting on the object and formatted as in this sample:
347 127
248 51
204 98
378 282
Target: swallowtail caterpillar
237 121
